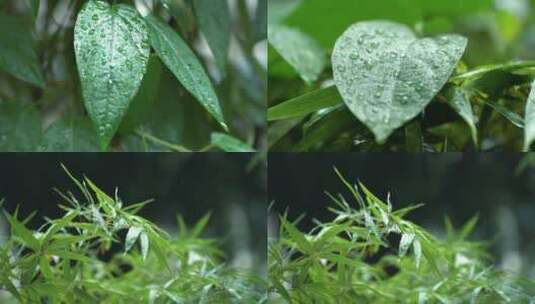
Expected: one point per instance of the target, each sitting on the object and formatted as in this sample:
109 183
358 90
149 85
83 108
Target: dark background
454 184
226 184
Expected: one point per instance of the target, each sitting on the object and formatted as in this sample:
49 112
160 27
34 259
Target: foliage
372 253
100 251
398 78
127 72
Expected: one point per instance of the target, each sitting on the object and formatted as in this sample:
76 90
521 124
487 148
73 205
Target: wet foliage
100 250
132 75
370 252
400 76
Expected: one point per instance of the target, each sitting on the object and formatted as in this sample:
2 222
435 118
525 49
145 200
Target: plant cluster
101 251
130 76
371 254
396 85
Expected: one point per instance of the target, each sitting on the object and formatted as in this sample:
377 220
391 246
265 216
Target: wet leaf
405 243
17 51
131 237
182 62
112 51
213 18
387 76
529 130
302 52
459 101
144 242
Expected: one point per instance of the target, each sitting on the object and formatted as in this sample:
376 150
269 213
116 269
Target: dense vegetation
370 252
169 75
101 251
401 75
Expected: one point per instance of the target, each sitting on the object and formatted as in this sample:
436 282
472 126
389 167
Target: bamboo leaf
131 238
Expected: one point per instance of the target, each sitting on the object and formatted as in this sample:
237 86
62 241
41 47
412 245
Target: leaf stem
478 72
161 142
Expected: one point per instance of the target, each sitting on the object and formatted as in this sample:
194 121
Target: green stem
478 72
162 142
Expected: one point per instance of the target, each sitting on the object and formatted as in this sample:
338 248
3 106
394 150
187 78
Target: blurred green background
454 184
232 186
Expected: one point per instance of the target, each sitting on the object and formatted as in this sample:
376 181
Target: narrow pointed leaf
17 51
112 51
178 57
405 243
514 118
387 76
305 104
144 242
461 104
131 238
20 232
529 130
213 18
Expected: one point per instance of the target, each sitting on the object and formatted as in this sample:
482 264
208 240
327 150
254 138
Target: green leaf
297 236
112 51
387 76
20 127
182 62
529 130
199 226
213 18
405 243
17 51
417 247
70 134
514 118
144 242
305 104
131 237
142 104
228 143
20 232
302 52
460 102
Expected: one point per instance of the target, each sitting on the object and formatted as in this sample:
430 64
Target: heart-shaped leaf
386 75
112 51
